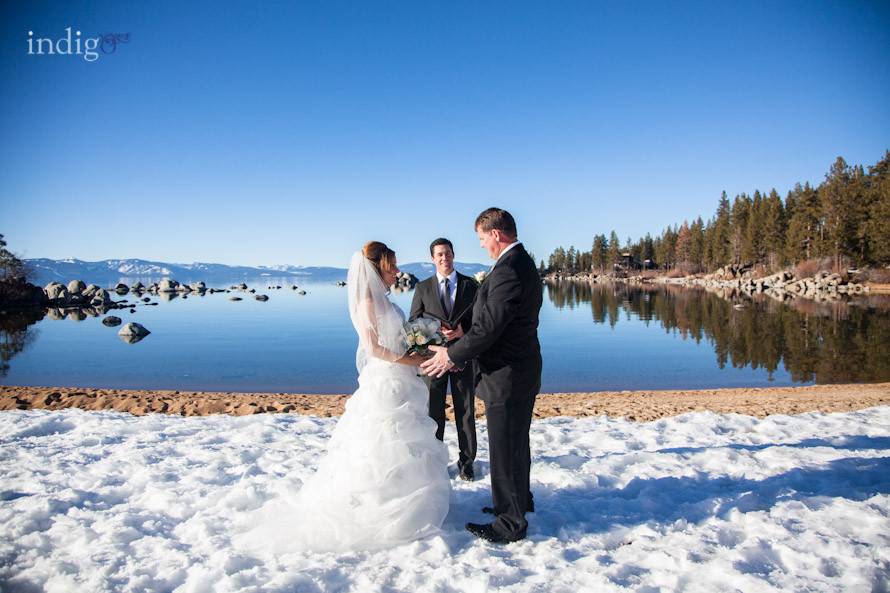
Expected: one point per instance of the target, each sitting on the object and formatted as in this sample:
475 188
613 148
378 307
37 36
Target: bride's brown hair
383 258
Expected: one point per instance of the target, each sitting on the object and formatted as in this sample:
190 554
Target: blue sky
292 132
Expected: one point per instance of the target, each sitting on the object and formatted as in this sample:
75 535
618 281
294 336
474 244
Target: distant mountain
109 272
424 270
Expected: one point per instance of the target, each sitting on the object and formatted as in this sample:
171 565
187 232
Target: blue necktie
446 297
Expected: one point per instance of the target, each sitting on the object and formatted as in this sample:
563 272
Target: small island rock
168 285
133 329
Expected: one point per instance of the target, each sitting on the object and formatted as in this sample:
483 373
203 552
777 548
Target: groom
503 339
448 296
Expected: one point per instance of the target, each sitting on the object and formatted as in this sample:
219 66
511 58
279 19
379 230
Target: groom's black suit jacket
503 337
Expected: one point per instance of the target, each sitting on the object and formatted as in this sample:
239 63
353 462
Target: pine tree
774 230
752 244
636 251
708 249
804 224
860 202
598 253
648 252
683 247
12 269
584 263
665 248
721 242
697 244
741 207
558 260
614 250
878 225
572 260
837 201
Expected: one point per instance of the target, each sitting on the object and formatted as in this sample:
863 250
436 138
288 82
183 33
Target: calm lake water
600 337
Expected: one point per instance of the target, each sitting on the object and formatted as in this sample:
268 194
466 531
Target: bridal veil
379 326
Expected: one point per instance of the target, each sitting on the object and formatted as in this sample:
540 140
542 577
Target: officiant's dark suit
503 339
456 309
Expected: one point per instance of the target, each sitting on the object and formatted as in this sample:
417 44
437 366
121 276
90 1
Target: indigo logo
88 47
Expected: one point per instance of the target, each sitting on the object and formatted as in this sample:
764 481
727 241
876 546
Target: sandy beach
640 406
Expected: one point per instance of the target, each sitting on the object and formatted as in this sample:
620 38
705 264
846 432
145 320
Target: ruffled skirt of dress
383 481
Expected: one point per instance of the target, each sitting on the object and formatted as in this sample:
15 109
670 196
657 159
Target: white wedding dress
384 479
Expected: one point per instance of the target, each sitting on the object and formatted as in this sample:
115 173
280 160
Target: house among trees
626 261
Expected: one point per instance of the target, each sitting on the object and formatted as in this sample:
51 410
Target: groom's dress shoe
487 532
467 475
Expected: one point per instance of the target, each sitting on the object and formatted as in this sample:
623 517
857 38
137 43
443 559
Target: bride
384 480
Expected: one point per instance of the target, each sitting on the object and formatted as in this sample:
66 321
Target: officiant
448 296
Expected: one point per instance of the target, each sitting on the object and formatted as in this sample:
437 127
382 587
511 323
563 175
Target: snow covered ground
105 501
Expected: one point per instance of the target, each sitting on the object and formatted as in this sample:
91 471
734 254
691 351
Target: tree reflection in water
16 334
840 342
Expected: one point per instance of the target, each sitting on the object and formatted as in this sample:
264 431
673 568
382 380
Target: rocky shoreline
640 406
741 280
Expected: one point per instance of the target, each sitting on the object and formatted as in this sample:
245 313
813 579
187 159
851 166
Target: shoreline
639 406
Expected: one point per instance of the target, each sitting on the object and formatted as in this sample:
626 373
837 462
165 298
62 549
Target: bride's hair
382 257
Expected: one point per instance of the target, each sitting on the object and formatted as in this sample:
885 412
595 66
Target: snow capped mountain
111 271
424 270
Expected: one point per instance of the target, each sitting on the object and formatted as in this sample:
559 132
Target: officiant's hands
439 364
452 334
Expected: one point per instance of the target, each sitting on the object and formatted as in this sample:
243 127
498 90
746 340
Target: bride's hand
415 359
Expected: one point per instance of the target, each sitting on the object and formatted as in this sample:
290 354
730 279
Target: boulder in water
55 291
101 297
168 285
133 329
76 287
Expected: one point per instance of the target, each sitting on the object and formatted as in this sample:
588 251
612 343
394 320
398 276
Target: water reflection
16 334
306 343
839 342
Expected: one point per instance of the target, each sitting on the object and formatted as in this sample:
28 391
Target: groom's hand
439 364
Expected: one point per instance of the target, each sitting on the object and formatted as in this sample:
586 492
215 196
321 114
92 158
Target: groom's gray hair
496 219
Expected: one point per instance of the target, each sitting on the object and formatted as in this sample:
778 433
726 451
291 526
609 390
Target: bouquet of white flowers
423 333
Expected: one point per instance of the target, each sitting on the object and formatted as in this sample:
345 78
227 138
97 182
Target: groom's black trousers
509 422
